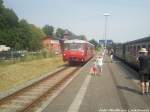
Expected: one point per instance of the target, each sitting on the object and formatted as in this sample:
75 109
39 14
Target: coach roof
77 41
145 39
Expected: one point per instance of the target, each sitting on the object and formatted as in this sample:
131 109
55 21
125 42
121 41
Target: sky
129 19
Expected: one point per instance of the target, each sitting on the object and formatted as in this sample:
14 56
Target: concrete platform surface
114 90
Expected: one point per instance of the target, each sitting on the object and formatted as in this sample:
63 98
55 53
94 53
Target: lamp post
106 18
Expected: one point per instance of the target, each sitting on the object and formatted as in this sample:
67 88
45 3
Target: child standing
93 69
99 62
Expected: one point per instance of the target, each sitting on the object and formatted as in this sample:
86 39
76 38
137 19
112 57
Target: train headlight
82 54
64 54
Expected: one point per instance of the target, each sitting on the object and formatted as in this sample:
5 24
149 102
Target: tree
9 37
36 40
82 37
1 6
8 19
94 42
19 35
11 18
60 33
24 34
48 30
1 2
8 26
3 34
1 15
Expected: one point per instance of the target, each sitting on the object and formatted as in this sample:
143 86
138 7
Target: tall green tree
8 26
1 6
10 38
36 40
94 42
1 14
82 37
19 35
48 30
60 32
8 19
1 2
30 36
24 34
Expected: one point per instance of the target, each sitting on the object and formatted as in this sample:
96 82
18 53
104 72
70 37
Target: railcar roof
145 39
77 41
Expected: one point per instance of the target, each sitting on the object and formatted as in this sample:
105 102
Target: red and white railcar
77 51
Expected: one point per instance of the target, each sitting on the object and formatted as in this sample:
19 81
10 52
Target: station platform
116 89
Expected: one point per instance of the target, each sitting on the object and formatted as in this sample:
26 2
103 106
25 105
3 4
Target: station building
51 44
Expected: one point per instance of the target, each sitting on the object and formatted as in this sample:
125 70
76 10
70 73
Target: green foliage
30 36
82 37
94 42
59 33
21 35
9 37
1 2
36 40
1 6
24 34
97 46
8 19
48 30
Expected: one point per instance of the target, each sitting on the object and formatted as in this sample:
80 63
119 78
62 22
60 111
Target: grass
15 74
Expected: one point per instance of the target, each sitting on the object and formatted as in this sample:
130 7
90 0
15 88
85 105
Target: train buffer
115 90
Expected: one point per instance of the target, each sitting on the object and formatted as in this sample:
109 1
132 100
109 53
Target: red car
77 51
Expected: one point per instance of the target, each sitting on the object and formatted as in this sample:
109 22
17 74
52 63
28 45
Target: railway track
30 98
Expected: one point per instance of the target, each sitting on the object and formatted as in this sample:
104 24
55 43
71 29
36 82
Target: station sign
108 42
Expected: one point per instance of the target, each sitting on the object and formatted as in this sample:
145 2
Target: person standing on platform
111 54
144 70
93 69
99 63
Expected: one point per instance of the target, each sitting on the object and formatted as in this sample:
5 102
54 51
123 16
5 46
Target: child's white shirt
99 61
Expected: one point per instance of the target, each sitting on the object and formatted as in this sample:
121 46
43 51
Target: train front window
73 46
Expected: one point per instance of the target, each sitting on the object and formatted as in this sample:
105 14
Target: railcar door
86 52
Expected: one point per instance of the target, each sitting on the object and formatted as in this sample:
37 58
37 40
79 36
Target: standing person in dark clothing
144 70
111 54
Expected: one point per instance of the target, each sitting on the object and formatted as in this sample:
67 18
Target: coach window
87 47
143 46
131 50
148 49
134 50
128 48
138 48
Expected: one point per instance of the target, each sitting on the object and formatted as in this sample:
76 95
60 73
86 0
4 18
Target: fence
8 57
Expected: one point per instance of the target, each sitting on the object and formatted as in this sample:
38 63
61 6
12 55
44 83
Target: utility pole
106 19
